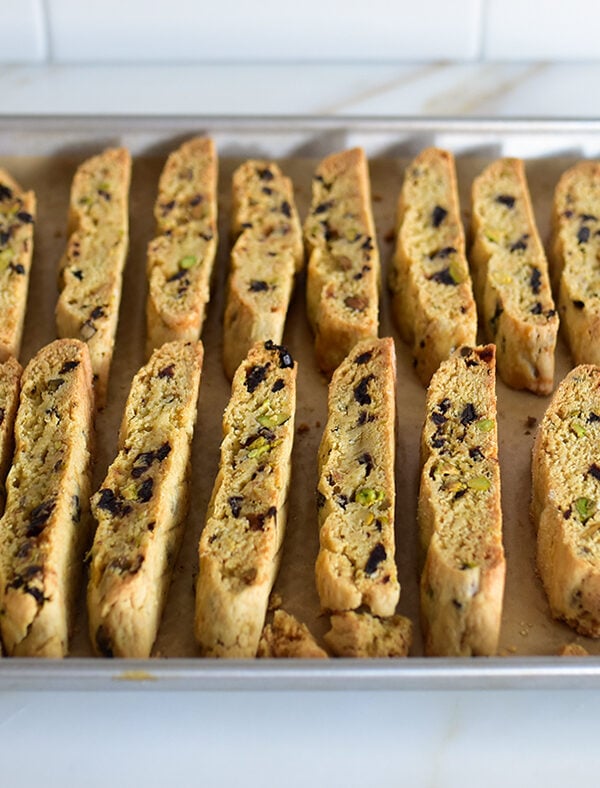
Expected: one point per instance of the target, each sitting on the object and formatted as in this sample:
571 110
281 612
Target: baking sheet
43 155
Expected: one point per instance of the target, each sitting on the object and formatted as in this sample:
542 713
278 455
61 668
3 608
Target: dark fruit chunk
361 395
468 415
506 199
378 555
258 285
38 518
438 215
583 235
535 280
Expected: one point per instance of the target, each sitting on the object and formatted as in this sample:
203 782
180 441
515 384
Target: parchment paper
527 625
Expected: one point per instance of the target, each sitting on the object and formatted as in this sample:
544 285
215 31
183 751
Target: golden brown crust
362 635
432 292
267 253
17 218
240 546
43 532
10 385
182 255
565 496
342 287
510 275
287 638
574 250
459 512
142 504
91 269
356 489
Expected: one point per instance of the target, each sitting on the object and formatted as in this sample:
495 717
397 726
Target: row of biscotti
140 508
459 505
430 279
141 505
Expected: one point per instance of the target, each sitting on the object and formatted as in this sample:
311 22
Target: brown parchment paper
527 627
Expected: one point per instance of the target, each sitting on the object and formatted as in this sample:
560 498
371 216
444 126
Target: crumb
287 637
377 198
390 236
317 424
275 601
303 427
530 423
573 650
364 635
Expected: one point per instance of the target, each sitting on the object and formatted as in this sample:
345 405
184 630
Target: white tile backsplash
314 30
22 31
542 30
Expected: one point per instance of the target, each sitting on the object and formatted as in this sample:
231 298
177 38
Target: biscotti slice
17 217
430 281
575 250
362 635
356 491
241 543
142 504
181 256
10 384
266 255
43 532
565 500
510 274
287 638
91 270
459 512
342 287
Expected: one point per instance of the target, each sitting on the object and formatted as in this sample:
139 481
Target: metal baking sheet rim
418 673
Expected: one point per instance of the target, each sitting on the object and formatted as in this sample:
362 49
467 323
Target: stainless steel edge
512 673
306 675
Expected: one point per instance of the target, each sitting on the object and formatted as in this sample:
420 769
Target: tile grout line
484 8
45 12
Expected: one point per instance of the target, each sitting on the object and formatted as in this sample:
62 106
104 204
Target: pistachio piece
485 425
258 447
189 261
455 272
578 429
453 485
479 483
585 508
368 496
274 420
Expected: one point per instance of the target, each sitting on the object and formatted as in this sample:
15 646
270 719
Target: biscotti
574 248
181 256
511 279
141 506
565 498
266 255
460 518
287 638
362 635
43 531
433 300
356 491
17 218
342 287
240 546
10 385
91 269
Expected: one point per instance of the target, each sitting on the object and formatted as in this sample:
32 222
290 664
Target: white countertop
500 89
280 738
